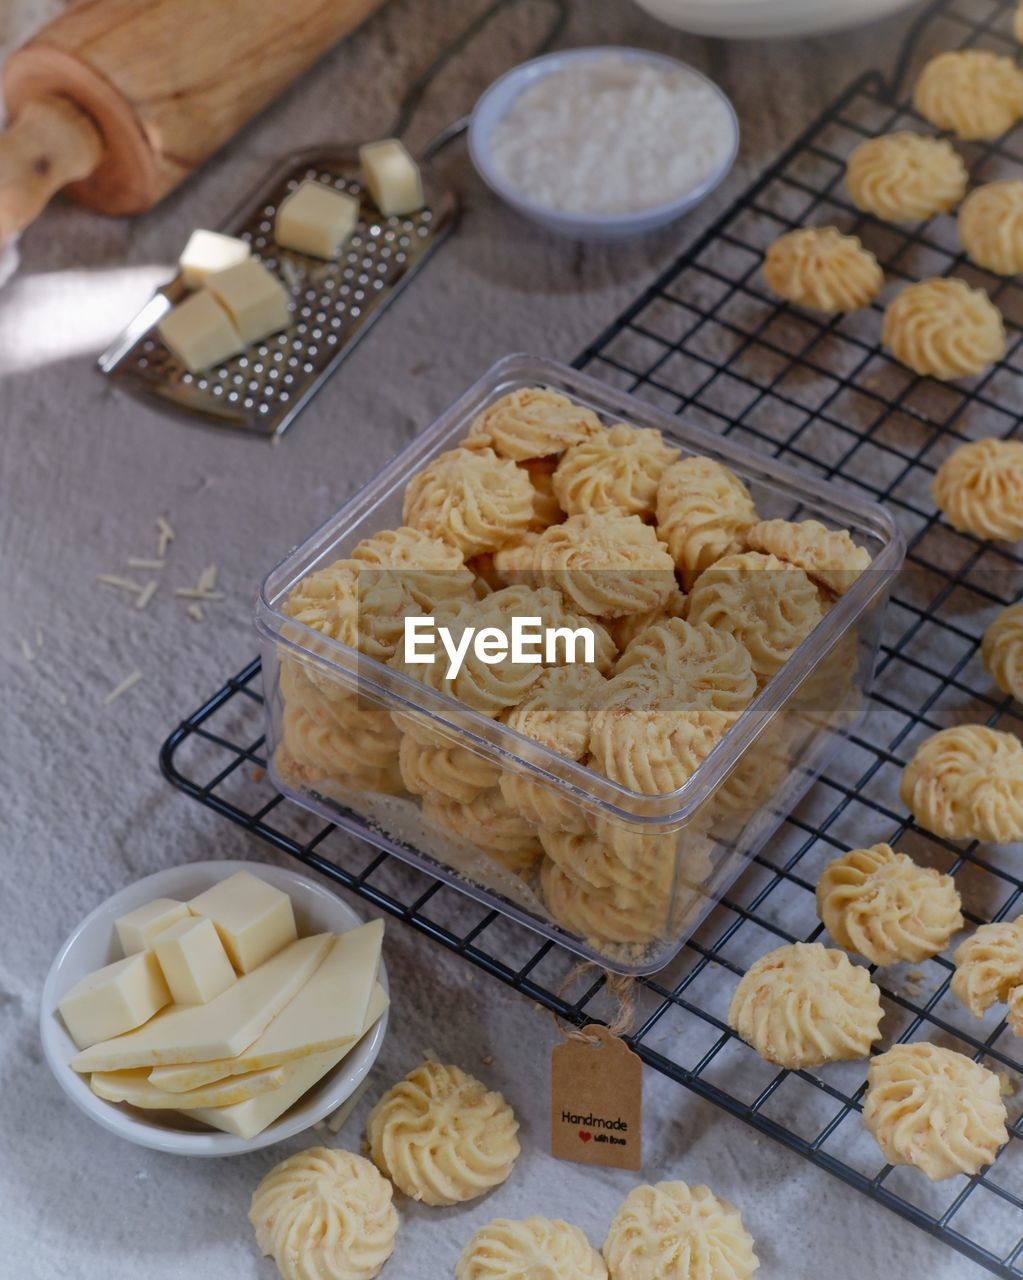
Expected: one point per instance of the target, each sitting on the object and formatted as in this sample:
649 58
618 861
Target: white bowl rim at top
187 879
497 100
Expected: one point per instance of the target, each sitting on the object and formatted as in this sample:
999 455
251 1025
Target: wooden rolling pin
119 100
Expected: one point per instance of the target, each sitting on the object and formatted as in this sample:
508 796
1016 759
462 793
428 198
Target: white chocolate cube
391 176
200 332
138 928
208 252
316 219
253 297
254 919
193 960
115 999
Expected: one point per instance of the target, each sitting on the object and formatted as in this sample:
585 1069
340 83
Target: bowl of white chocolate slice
215 1008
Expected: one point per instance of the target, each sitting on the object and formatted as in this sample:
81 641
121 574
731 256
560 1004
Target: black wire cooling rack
706 340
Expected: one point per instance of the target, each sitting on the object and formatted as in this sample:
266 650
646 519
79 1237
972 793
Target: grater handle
50 144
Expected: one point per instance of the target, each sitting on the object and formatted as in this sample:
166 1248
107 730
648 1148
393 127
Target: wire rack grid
706 340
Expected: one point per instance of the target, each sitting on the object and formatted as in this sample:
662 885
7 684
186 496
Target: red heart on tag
584 1136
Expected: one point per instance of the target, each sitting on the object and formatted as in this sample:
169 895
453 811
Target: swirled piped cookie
972 93
828 556
533 422
325 1214
451 771
989 966
362 607
1002 651
805 1004
605 565
431 571
653 749
906 177
944 329
489 822
966 783
671 1231
934 1109
694 667
358 753
979 489
537 1248
617 915
886 907
471 498
441 1136
616 470
558 713
625 630
991 227
820 268
704 512
770 606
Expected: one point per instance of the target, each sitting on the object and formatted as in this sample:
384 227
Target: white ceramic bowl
93 944
756 19
494 105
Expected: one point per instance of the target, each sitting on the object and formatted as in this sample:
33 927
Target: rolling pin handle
50 143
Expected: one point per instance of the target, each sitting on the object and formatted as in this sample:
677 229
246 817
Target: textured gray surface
83 473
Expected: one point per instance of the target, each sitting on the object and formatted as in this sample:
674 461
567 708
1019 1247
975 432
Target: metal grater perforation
333 304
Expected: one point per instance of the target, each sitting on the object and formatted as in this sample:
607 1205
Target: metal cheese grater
333 303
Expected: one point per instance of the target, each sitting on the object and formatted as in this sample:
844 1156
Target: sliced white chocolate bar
138 928
135 1088
115 999
194 961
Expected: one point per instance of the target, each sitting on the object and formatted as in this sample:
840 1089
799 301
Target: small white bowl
93 944
757 19
497 101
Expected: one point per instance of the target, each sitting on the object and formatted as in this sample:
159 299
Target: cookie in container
734 608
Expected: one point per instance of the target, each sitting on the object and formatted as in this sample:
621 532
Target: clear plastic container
654 864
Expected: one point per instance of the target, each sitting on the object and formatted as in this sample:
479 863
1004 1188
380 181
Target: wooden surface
84 472
167 82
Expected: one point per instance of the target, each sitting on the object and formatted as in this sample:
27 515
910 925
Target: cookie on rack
442 1137
654 749
966 783
828 556
906 177
991 227
979 489
703 513
534 1247
972 93
325 1213
824 270
944 329
989 966
768 605
1002 651
359 755
887 908
670 1230
471 498
805 1004
618 470
934 1109
606 565
532 422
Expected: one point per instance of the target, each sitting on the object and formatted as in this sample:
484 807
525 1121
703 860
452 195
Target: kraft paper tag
597 1102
